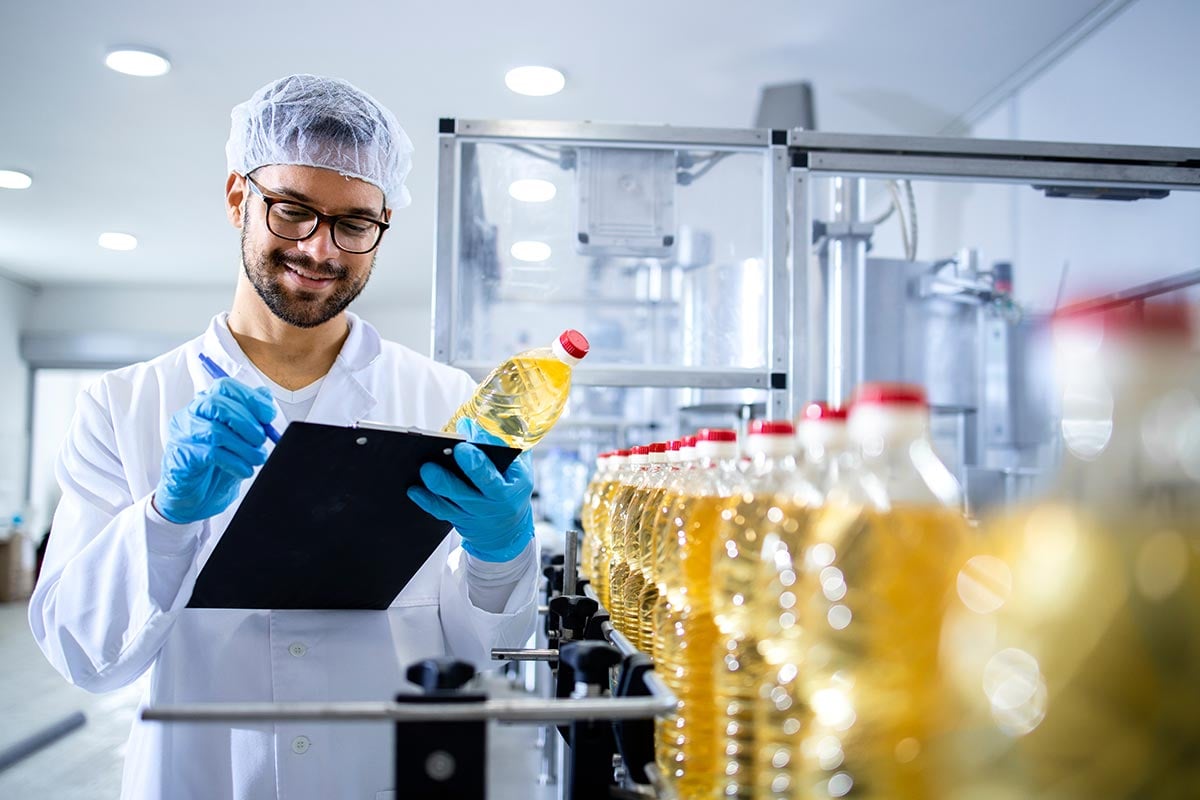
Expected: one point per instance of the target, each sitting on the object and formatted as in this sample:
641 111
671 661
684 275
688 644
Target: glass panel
958 300
657 255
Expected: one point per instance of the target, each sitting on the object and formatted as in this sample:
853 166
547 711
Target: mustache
298 260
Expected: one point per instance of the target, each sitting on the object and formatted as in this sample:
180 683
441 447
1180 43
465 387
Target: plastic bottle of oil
653 601
867 597
647 494
587 517
661 615
755 509
1073 639
824 446
779 708
601 513
685 741
520 400
652 524
618 559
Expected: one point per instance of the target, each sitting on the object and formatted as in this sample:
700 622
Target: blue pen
217 372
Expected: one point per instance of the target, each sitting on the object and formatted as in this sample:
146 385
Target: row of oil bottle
833 625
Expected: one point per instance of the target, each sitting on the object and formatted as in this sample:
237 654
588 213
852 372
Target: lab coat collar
343 398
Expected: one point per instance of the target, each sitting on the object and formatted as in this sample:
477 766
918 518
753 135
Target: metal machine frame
800 339
819 366
773 146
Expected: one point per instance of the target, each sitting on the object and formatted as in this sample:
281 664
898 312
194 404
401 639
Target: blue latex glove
212 446
494 517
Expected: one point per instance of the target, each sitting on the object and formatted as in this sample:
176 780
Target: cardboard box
16 569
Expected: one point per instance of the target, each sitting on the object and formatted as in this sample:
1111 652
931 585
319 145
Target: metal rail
507 710
524 654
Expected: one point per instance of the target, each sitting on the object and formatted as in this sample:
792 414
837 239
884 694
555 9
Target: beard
299 307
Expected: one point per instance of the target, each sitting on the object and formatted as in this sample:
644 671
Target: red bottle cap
716 435
622 453
762 427
822 411
890 394
675 444
689 441
658 447
574 342
639 450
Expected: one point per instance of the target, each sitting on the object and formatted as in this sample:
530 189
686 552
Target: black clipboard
327 523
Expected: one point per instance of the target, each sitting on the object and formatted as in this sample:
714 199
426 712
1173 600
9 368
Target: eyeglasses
288 219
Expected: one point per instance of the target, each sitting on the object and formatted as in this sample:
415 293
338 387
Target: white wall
15 300
183 312
1132 82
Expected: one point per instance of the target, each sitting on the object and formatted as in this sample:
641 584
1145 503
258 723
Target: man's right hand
212 446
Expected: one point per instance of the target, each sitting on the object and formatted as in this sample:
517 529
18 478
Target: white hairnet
321 122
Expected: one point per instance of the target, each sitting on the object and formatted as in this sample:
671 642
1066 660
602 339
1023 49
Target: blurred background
956 269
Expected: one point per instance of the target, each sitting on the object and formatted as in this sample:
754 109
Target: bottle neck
1130 418
899 465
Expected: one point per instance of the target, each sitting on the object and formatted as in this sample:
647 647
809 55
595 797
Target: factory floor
86 763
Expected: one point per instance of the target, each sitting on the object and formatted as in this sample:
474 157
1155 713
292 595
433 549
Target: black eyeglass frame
331 219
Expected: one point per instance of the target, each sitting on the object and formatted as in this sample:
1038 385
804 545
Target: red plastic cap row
716 435
762 427
658 447
574 342
1168 319
818 411
882 393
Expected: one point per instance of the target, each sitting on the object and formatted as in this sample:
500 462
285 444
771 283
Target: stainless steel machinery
724 274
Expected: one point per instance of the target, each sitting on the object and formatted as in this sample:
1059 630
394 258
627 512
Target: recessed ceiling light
535 81
14 179
530 251
137 61
117 241
532 190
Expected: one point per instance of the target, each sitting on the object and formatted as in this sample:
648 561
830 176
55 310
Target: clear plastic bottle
520 400
821 433
618 558
868 598
652 526
779 707
755 509
587 517
685 741
643 503
1073 639
601 515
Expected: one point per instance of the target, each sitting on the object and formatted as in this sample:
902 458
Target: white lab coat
111 599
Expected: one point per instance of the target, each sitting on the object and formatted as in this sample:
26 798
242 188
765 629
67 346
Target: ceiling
146 156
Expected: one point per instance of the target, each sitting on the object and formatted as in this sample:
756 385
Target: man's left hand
494 516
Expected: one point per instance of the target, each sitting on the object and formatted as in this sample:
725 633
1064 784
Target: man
159 455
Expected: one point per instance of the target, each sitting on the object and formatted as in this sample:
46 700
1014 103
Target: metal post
571 563
845 283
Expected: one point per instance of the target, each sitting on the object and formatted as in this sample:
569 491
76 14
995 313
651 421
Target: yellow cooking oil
651 531
587 518
779 710
619 515
602 515
873 587
738 602
637 535
689 736
520 400
625 615
1073 644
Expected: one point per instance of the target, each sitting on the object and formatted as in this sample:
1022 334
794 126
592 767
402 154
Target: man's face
309 282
